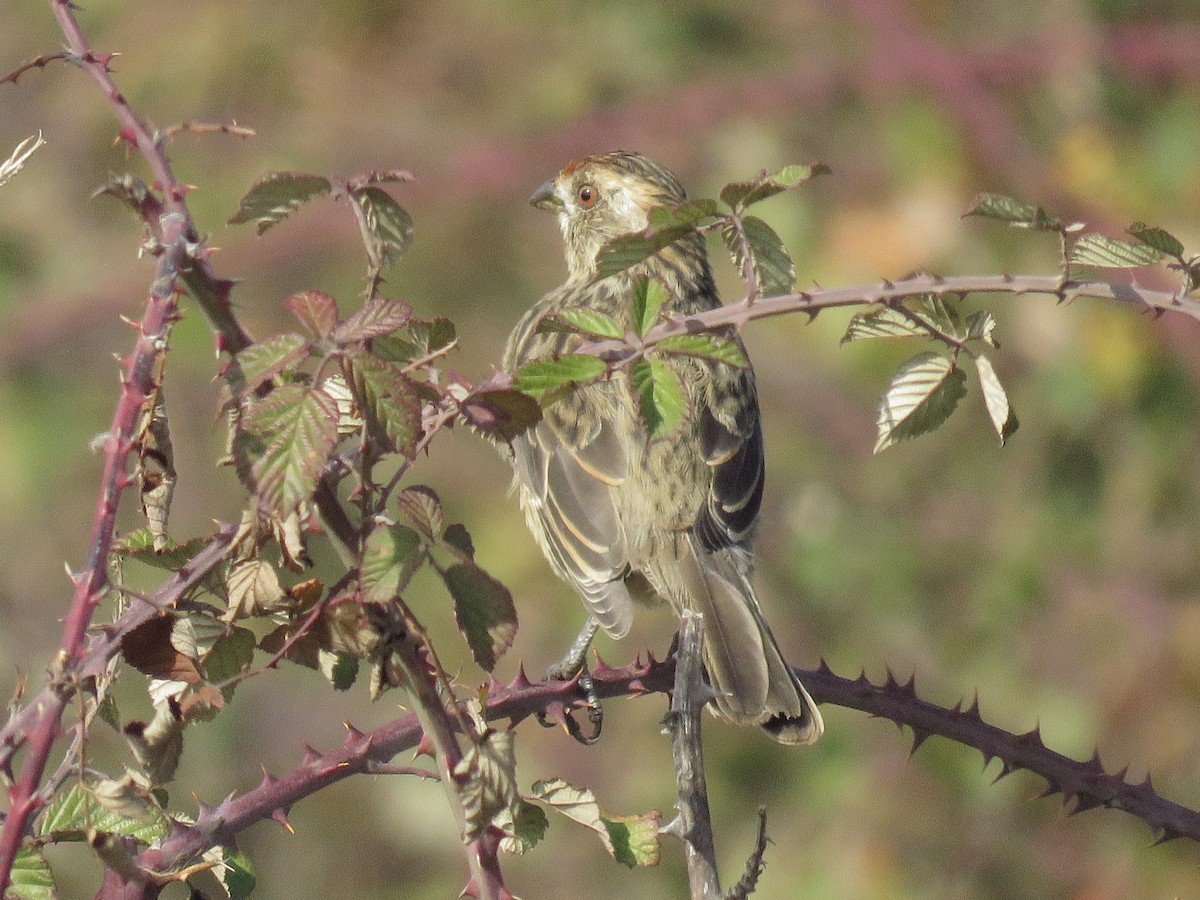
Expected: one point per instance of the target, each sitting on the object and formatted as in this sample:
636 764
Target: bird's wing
737 461
569 466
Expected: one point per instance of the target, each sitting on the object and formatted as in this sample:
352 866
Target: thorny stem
693 822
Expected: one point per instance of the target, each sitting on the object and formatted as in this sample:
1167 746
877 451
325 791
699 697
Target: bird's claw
595 712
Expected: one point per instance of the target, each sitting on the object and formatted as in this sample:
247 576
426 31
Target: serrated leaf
381 176
487 779
919 398
139 545
391 556
72 812
709 346
314 310
666 225
1158 238
1004 420
528 828
229 657
236 874
649 295
250 368
980 326
484 610
129 189
1015 212
424 509
1112 253
274 196
340 668
281 444
545 376
938 312
501 414
774 272
388 401
150 650
31 878
741 194
884 322
590 322
423 337
660 395
375 318
254 588
158 745
631 840
389 226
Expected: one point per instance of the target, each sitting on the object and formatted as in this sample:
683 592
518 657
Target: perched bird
621 517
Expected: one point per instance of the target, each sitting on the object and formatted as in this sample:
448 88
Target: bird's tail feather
754 684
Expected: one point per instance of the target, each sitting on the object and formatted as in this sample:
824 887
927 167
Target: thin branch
191 126
210 292
40 63
693 822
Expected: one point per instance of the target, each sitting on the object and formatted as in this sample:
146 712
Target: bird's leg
573 663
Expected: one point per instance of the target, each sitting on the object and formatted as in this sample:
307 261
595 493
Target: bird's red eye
586 196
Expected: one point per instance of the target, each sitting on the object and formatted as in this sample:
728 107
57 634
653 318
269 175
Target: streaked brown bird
622 517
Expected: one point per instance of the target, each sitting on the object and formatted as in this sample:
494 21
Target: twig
692 823
191 126
40 63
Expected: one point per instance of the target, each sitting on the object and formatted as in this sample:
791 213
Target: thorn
521 681
920 736
311 756
972 711
424 746
280 816
1006 769
823 667
353 735
1146 785
203 810
1032 737
674 827
1167 834
267 779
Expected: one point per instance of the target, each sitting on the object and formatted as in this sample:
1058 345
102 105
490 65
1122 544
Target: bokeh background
1057 577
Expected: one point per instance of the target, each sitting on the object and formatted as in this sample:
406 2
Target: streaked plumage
621 517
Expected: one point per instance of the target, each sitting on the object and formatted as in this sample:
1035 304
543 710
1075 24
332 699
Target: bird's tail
754 685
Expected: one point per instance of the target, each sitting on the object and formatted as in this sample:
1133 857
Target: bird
621 517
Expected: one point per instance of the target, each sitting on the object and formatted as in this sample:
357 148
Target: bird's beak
545 198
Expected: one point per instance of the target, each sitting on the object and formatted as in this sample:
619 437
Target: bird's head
600 197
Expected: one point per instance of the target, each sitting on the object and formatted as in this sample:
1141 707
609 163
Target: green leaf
391 556
591 322
139 545
1112 253
229 657
529 827
631 840
649 295
249 369
715 347
275 195
1004 420
660 396
487 778
31 878
389 227
774 271
666 225
484 610
1014 212
316 311
1158 238
423 508
75 810
741 194
236 874
130 190
885 322
340 668
387 399
424 337
281 445
375 318
547 376
919 398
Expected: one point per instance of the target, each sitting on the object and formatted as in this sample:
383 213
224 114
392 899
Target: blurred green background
1057 577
